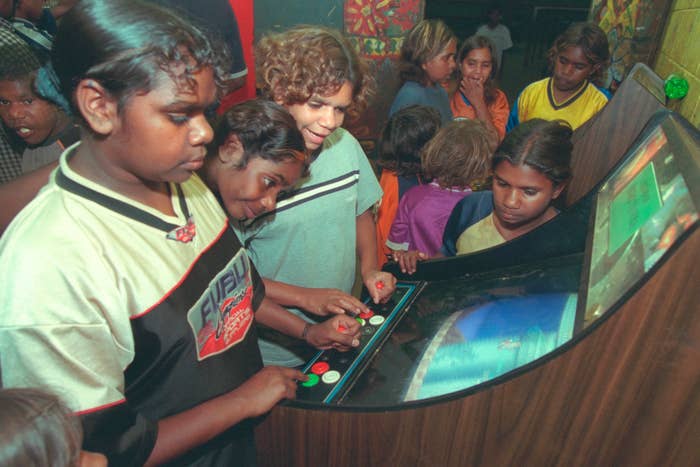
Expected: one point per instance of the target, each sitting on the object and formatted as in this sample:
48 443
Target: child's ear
230 152
558 189
97 106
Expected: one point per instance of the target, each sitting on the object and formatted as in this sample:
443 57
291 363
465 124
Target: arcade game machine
602 141
585 357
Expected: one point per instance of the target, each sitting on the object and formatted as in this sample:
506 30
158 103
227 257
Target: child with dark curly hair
579 59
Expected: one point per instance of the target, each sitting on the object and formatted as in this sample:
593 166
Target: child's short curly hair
593 42
422 43
294 65
458 155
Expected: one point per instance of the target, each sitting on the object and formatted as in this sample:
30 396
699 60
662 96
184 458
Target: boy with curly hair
306 248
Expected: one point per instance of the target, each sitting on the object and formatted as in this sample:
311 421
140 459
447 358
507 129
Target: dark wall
272 15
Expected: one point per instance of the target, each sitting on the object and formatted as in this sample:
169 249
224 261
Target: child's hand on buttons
339 332
408 260
266 388
324 302
380 285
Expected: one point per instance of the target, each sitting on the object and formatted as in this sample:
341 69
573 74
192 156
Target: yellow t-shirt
479 236
537 101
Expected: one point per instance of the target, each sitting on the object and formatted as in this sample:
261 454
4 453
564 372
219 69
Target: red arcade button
367 314
320 367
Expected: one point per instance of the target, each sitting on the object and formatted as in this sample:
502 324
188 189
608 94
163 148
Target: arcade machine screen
641 211
460 333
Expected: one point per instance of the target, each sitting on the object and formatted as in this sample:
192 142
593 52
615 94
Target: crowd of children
267 218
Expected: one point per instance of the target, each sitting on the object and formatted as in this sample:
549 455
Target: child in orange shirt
477 96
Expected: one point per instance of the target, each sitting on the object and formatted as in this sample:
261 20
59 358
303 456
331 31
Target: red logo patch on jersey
223 315
184 234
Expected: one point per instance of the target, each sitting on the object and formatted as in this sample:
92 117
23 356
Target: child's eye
315 105
530 192
500 182
179 119
4 102
27 101
269 182
210 112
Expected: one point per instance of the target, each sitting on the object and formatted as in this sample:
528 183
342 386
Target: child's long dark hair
543 145
592 40
125 45
403 137
481 42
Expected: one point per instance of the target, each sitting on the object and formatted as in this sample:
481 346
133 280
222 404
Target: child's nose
329 118
512 199
201 132
269 201
16 111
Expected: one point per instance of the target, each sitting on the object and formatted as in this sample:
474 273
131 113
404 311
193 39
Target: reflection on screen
640 212
487 340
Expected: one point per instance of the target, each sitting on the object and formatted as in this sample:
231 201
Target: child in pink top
454 158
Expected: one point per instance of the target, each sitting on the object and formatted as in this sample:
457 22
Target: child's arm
372 277
399 240
186 430
321 335
321 302
16 194
408 260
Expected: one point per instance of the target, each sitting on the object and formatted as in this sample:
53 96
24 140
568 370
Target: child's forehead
22 84
574 53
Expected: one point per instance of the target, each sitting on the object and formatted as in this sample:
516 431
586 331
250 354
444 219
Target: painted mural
376 28
634 29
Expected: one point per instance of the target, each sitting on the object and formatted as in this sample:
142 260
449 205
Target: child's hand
473 89
324 302
339 332
267 387
409 259
380 285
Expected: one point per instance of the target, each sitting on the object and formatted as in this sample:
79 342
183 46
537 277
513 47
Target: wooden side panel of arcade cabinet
627 393
603 140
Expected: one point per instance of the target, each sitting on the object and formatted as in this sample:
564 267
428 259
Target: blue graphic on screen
490 339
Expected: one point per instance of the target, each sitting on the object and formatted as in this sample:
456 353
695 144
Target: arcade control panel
331 372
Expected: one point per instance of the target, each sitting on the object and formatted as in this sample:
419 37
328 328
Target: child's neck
562 96
95 166
509 232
